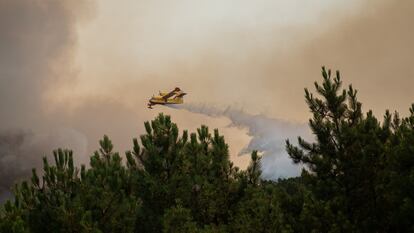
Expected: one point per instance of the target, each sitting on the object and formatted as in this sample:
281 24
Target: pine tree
400 175
345 164
194 171
99 200
106 191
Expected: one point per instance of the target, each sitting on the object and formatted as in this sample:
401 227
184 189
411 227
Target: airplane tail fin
180 95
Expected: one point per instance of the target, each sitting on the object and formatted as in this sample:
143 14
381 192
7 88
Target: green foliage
358 177
353 163
400 174
196 171
178 219
97 201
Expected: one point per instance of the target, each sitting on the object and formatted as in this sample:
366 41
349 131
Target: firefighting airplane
173 97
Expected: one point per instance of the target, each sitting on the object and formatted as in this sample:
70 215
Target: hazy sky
266 50
71 71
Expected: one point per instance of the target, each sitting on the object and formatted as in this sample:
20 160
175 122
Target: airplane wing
170 94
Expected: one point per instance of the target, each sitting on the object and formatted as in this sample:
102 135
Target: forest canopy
358 177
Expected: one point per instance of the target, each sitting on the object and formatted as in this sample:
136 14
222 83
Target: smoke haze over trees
357 178
56 81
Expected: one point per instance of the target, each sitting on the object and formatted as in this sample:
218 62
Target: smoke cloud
36 49
268 136
21 151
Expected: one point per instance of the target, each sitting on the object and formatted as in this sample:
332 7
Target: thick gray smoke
36 42
38 45
268 136
20 151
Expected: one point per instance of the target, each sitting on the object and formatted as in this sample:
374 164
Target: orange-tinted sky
71 71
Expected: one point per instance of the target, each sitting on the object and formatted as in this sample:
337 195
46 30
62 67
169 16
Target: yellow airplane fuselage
160 100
